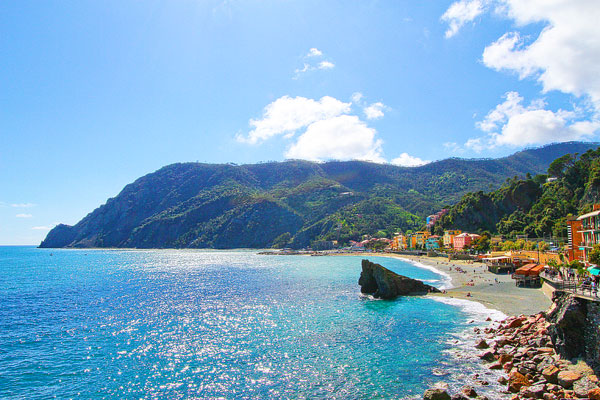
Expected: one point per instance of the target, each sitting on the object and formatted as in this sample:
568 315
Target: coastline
495 292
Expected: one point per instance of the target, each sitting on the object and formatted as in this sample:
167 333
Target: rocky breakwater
382 283
523 347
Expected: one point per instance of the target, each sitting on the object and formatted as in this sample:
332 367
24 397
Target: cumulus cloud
374 111
343 137
514 124
460 13
323 129
563 57
406 160
23 216
287 114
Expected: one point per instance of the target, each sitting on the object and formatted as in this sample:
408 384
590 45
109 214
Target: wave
477 311
446 281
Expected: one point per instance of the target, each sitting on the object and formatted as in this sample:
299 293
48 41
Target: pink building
464 240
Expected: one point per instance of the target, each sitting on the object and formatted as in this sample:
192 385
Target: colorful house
575 239
464 240
433 242
590 231
449 237
421 238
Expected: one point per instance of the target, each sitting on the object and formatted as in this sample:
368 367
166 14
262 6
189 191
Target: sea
198 324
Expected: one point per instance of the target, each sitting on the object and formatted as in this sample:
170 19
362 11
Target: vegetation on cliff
535 206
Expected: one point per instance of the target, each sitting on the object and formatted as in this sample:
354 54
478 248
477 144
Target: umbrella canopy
594 270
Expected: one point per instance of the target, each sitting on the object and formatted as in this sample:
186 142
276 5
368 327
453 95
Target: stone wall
592 334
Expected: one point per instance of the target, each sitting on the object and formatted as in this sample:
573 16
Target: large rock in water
385 284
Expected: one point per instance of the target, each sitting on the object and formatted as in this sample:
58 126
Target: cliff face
385 284
575 328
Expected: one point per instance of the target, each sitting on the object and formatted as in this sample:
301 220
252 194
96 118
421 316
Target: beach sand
493 291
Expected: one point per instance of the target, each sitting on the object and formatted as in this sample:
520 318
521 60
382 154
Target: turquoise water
212 324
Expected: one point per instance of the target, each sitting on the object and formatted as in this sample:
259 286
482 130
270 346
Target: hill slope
293 203
533 206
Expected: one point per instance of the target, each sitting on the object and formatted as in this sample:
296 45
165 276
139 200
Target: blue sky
96 94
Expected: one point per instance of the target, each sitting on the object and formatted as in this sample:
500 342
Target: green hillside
292 203
535 206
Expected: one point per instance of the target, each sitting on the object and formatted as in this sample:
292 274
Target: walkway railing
572 286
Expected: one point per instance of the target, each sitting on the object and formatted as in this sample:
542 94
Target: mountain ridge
291 203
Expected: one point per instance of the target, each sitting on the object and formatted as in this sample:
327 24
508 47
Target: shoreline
473 282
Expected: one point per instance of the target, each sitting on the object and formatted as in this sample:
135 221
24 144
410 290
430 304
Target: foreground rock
385 284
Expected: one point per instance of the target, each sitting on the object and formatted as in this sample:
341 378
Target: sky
94 95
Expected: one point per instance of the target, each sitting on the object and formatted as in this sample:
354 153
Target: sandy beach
493 291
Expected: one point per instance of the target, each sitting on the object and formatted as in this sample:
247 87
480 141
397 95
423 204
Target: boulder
488 356
567 378
496 365
504 358
594 394
468 391
385 284
482 344
583 386
436 394
550 373
516 381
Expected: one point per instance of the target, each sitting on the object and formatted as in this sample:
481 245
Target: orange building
590 231
575 246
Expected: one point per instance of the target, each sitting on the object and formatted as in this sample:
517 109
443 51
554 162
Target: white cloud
564 56
343 137
407 160
23 205
326 65
475 144
356 97
374 111
513 124
313 60
452 147
286 115
314 52
41 228
460 13
23 216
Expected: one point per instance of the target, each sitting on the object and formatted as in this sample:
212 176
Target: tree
557 167
594 256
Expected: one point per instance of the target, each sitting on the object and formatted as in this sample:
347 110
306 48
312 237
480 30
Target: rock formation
385 284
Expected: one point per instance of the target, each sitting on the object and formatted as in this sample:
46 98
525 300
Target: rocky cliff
385 284
575 327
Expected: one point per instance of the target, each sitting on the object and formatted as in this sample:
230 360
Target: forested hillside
290 203
535 206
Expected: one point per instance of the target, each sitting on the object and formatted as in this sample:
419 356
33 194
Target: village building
449 237
590 231
433 242
464 240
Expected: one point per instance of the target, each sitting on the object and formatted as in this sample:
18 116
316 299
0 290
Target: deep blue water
212 324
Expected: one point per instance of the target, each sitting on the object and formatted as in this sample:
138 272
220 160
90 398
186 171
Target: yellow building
449 237
421 238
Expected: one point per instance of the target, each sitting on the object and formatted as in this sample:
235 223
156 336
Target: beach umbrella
594 270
